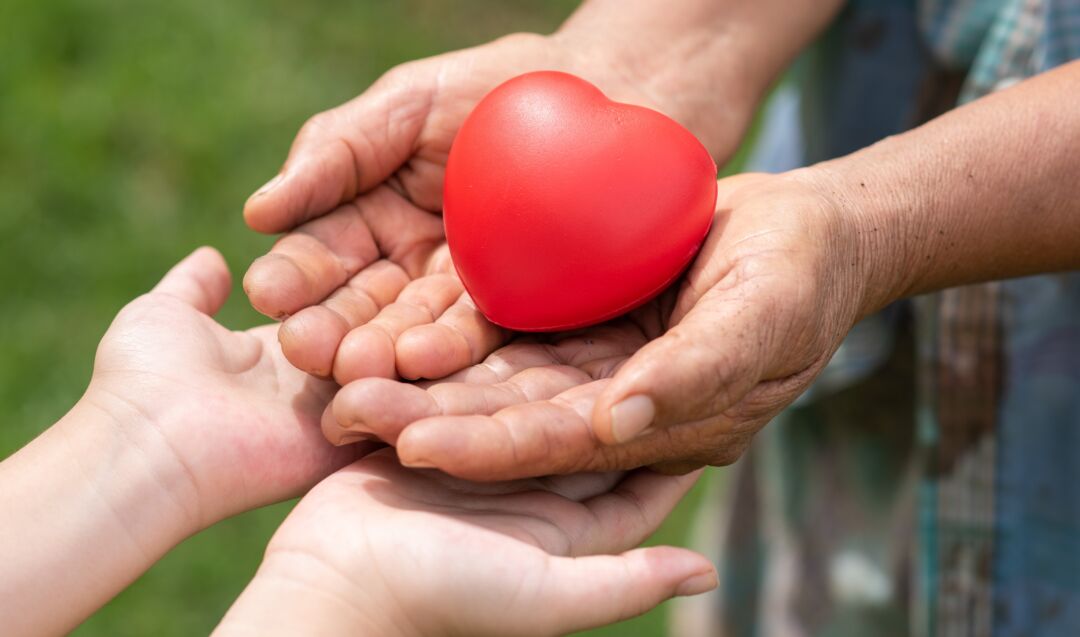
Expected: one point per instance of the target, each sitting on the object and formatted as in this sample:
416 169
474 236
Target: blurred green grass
130 133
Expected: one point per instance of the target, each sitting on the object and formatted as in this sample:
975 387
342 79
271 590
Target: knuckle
317 125
398 74
729 453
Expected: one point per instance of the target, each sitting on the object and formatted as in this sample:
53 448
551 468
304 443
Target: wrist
295 592
81 500
139 472
696 76
881 265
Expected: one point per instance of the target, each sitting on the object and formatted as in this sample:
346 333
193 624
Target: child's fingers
457 339
629 513
586 592
201 279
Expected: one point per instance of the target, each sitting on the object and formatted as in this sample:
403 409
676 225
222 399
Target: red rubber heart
564 209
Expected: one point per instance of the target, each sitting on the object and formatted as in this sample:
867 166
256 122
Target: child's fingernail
631 417
270 185
697 584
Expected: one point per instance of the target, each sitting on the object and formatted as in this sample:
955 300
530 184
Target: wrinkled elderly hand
363 279
362 193
684 381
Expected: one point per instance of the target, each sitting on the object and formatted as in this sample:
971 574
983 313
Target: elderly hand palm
364 280
758 316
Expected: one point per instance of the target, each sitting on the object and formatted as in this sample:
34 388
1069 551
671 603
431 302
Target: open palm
421 553
239 422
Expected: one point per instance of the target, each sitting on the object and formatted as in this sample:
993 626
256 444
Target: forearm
83 517
988 191
707 62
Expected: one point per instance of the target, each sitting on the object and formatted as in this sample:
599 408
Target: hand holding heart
685 380
363 281
369 292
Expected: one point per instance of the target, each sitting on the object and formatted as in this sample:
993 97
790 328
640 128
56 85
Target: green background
130 133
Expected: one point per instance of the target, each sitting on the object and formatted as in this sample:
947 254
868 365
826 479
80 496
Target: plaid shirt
927 483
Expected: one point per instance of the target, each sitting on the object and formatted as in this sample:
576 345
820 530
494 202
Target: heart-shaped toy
564 209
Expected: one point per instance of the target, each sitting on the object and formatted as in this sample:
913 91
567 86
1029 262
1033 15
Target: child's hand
226 422
184 423
377 549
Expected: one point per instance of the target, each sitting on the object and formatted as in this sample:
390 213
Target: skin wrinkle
514 440
637 506
193 514
603 368
311 129
421 308
500 373
317 248
520 391
388 243
478 506
519 586
349 212
379 571
358 296
262 357
193 511
406 113
305 273
358 285
301 553
465 339
407 173
389 94
354 219
560 544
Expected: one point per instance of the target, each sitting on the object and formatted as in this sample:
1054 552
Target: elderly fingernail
270 185
631 417
417 463
697 584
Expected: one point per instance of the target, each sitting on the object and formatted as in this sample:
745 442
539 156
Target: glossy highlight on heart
564 209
